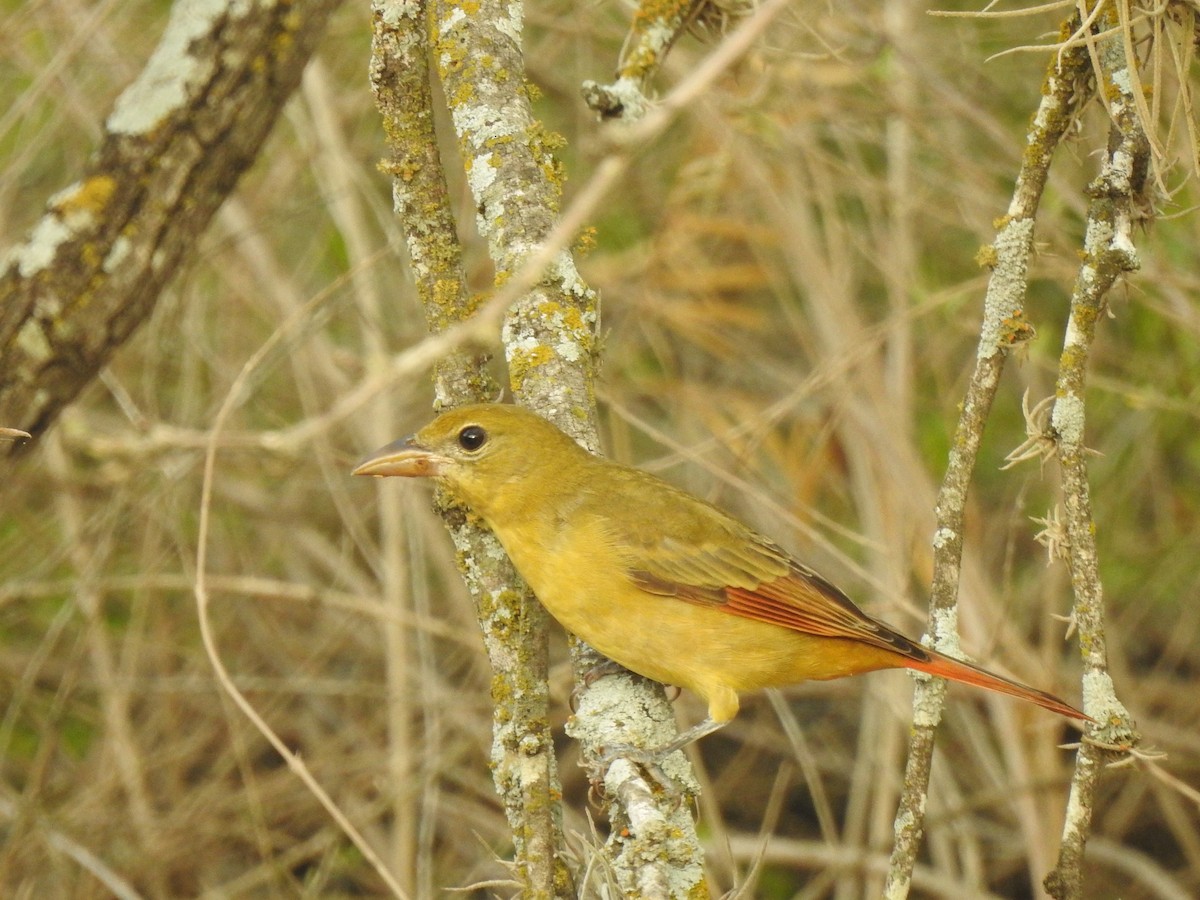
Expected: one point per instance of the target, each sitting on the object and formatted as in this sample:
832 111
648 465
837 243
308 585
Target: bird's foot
603 670
647 760
600 670
592 675
640 756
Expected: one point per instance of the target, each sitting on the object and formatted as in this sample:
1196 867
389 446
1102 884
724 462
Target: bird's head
479 452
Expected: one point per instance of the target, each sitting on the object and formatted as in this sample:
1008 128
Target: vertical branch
1108 252
1002 328
549 336
513 624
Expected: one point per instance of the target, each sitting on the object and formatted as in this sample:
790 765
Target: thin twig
1108 253
1002 329
1000 13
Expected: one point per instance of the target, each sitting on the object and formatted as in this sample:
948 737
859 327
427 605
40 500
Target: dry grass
790 305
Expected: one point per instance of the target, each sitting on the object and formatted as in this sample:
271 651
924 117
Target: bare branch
653 30
1065 92
175 143
1108 253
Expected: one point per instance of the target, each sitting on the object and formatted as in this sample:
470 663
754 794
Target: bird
665 584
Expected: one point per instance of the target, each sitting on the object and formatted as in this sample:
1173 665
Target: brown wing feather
800 600
708 557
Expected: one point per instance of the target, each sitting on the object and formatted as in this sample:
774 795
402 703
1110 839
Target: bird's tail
956 670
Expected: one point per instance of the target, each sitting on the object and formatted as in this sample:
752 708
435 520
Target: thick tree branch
175 144
549 334
513 623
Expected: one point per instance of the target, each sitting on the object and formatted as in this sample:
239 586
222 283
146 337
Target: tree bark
174 146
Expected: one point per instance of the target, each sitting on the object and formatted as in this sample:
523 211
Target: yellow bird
665 584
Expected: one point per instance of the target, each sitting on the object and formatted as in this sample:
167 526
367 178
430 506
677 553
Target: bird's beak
403 457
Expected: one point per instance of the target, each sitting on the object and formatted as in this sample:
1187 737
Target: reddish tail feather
953 669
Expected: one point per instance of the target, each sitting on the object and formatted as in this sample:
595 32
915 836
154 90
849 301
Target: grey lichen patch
164 85
1068 418
39 251
944 628
928 701
1101 703
567 277
481 175
914 818
512 22
1006 288
942 537
74 211
394 12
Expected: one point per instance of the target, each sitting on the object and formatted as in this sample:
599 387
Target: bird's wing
712 559
799 599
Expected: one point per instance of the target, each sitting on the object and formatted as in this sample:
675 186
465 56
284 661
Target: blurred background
790 312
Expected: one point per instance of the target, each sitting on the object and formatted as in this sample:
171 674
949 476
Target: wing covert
674 545
746 584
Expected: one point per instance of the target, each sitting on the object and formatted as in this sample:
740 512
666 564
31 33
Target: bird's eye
472 438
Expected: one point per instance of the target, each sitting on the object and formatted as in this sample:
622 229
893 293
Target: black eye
472 437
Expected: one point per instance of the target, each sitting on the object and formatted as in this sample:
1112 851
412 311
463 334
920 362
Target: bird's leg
708 726
604 669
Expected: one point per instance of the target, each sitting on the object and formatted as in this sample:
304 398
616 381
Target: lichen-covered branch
549 334
514 625
1002 328
400 81
175 143
1108 252
655 27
